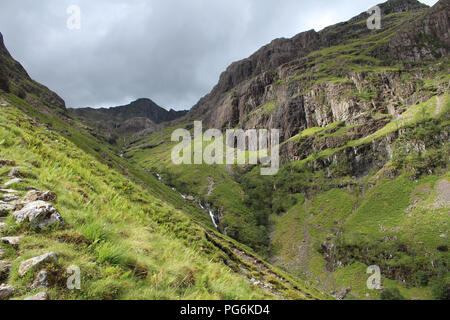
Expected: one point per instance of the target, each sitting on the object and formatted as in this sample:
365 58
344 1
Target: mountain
364 120
20 83
418 35
139 115
363 116
69 201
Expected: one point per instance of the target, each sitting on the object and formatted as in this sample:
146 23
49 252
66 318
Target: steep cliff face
20 83
425 38
317 78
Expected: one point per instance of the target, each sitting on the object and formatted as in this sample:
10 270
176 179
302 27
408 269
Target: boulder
6 291
40 214
41 281
6 207
8 191
41 296
26 265
3 226
35 195
14 173
9 197
13 241
13 181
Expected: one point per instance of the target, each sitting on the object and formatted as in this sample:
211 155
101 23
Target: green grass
128 243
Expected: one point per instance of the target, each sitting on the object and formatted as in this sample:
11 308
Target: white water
211 213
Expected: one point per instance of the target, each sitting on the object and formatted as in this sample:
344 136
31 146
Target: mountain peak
392 6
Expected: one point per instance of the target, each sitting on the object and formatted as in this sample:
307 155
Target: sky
171 51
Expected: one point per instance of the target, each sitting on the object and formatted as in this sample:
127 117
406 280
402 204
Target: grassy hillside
128 243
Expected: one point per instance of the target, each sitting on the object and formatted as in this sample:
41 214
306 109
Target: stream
190 198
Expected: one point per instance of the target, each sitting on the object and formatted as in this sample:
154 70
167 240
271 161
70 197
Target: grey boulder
26 265
41 281
40 214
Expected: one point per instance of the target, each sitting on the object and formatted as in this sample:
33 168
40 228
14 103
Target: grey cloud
171 51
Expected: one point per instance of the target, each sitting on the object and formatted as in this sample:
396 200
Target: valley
364 145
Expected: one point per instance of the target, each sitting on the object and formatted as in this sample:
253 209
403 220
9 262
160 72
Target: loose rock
13 181
6 163
40 214
41 281
13 241
6 291
26 265
41 296
6 208
9 197
34 195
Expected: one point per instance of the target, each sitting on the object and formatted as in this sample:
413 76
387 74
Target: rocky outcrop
13 241
26 265
41 281
6 208
17 76
40 214
262 91
426 38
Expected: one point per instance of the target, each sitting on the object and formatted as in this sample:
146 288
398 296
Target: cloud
171 51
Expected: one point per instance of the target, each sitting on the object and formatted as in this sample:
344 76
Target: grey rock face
26 265
40 214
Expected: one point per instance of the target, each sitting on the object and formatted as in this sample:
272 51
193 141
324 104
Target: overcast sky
171 51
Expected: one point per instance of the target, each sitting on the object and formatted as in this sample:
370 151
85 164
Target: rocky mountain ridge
409 27
139 115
